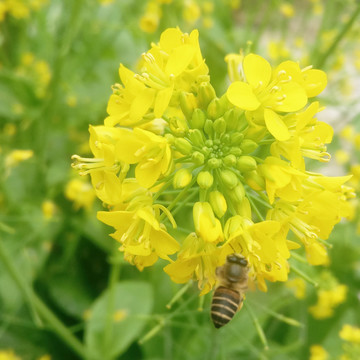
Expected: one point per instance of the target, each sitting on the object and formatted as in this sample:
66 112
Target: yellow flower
317 352
8 355
350 333
298 285
287 10
150 152
263 244
17 156
207 226
197 259
143 238
81 193
48 209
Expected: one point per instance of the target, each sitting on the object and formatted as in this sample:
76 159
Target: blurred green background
58 60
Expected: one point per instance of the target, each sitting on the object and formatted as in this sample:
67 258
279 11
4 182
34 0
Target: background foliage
65 290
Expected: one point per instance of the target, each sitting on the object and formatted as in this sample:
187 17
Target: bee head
237 259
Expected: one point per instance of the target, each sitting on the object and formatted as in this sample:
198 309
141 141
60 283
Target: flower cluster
237 160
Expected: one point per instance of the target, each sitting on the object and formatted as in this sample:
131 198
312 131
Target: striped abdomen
224 305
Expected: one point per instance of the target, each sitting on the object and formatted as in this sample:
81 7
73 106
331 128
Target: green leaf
105 336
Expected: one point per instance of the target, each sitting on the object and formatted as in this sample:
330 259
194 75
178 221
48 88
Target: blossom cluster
170 143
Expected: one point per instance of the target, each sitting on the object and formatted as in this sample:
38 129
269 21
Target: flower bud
229 179
197 119
214 163
196 137
220 126
230 160
183 146
205 179
215 109
182 178
218 203
235 151
254 180
178 126
232 118
246 163
205 94
188 104
248 146
236 138
170 138
197 158
238 193
209 128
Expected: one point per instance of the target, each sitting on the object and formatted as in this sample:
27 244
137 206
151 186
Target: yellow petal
276 125
163 243
170 38
295 98
257 70
315 82
147 175
179 59
241 95
141 104
162 101
127 146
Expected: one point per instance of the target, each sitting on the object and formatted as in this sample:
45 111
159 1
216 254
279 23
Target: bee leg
241 304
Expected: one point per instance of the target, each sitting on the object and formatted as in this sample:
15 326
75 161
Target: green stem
346 27
257 325
303 275
38 307
113 278
254 207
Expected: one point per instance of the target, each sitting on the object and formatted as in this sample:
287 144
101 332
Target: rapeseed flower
171 143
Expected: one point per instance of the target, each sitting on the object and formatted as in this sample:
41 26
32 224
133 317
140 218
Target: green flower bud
230 160
225 139
196 137
215 109
248 146
183 146
170 138
229 179
182 178
208 128
214 163
205 94
232 118
188 104
198 119
178 126
205 179
235 151
254 180
236 138
238 193
220 125
218 203
246 163
197 158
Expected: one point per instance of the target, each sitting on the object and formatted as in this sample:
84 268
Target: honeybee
229 295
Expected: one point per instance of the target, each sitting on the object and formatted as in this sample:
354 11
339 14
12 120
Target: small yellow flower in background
48 209
44 357
287 10
8 355
317 352
171 146
192 11
330 295
81 193
278 50
17 156
149 22
119 315
347 132
350 333
71 100
342 156
351 346
298 285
